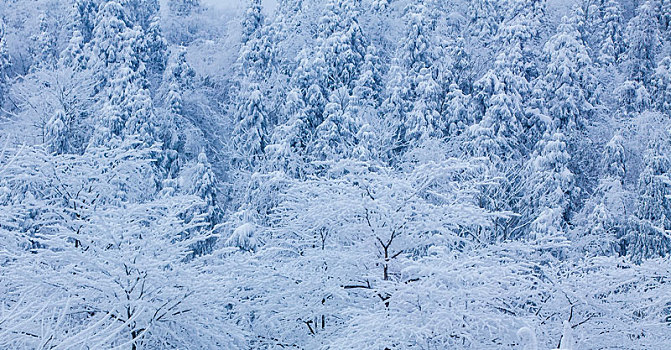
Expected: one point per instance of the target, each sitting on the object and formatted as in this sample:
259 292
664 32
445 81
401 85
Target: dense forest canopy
335 174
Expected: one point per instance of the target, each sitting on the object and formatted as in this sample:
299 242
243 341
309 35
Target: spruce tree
250 135
642 42
661 86
649 237
45 53
5 63
606 218
253 20
336 136
551 192
568 80
612 37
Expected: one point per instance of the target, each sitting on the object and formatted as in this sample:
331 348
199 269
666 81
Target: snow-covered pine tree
342 43
250 135
74 55
485 17
606 217
551 192
458 118
45 52
661 86
519 36
633 98
83 17
649 237
140 12
499 133
368 85
155 57
118 60
5 63
253 20
424 119
287 151
57 134
612 37
642 42
568 80
417 48
335 138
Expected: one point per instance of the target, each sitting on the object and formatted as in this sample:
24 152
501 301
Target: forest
335 174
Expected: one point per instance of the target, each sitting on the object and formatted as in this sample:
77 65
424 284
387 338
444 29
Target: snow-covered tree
100 265
336 136
45 52
485 17
250 136
499 98
605 214
661 86
642 41
5 62
569 82
424 119
550 193
252 21
612 37
649 237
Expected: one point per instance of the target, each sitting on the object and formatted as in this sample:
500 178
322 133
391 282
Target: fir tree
606 218
568 81
642 41
649 238
5 63
73 55
498 97
45 53
252 21
84 18
250 136
336 136
661 86
612 37
424 119
551 192
57 133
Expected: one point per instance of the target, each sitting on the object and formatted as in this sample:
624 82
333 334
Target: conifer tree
5 63
612 37
73 55
250 135
485 17
551 192
56 133
568 81
84 17
45 53
661 86
649 238
642 41
499 98
336 136
253 20
425 120
287 150
606 220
